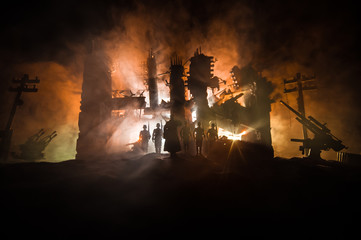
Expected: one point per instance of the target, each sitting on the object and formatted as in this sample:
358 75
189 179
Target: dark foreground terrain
155 196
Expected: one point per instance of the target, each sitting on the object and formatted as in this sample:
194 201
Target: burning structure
199 79
176 85
234 116
95 99
257 102
98 100
152 80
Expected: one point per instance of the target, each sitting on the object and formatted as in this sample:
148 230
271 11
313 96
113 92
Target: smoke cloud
54 108
278 39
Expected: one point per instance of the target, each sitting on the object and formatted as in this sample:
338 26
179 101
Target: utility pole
22 87
302 83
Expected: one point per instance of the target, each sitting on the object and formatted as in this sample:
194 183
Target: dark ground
155 196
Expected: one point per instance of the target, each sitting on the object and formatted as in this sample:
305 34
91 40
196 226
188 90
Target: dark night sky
37 31
319 34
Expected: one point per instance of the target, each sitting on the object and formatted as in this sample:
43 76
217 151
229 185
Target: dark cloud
38 31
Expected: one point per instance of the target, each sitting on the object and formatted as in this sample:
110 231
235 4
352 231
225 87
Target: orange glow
230 135
55 107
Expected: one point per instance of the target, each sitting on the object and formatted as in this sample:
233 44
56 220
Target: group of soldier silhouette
145 136
173 142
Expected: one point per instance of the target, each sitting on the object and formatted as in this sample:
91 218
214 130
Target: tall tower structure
152 80
95 107
200 75
177 96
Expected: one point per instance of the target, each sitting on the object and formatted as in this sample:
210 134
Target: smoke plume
279 40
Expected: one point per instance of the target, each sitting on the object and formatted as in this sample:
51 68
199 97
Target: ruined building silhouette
95 109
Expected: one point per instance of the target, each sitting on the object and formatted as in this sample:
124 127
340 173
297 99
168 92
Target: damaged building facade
242 105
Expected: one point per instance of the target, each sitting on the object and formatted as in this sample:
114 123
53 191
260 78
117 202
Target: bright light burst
230 135
194 115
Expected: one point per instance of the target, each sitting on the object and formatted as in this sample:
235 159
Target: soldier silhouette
185 135
212 136
198 135
157 138
144 136
170 134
